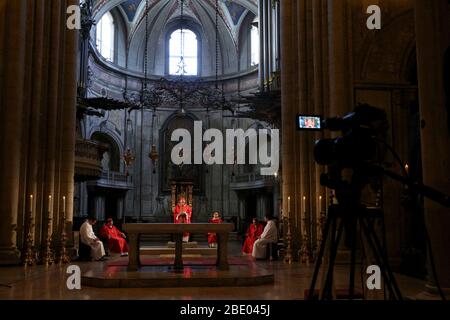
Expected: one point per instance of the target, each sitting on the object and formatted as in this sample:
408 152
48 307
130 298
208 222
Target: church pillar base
9 256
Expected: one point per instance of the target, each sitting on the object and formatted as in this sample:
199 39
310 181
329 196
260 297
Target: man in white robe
269 236
89 238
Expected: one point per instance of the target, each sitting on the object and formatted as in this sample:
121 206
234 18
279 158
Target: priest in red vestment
116 238
182 213
254 231
212 237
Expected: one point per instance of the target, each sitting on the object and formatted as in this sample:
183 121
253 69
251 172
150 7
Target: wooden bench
135 230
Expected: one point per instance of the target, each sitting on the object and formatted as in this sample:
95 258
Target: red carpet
203 261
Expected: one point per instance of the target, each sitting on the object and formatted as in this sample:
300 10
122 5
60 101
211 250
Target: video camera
356 148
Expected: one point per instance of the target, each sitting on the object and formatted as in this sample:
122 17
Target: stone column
339 55
37 82
261 44
69 98
289 101
11 95
320 97
266 44
309 45
340 76
52 106
100 208
35 103
432 32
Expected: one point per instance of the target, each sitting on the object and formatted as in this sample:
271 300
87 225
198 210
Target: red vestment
116 242
212 237
252 235
177 217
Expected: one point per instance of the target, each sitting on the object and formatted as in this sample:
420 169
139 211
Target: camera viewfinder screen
309 122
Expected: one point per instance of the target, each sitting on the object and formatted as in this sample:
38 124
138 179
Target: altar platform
158 272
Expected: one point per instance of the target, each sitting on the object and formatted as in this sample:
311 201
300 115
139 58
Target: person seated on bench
116 238
254 231
89 238
268 237
212 236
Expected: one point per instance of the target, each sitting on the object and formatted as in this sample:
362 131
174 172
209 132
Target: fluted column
37 131
320 98
35 105
261 71
69 117
11 86
289 102
339 55
304 91
433 38
266 51
52 107
271 43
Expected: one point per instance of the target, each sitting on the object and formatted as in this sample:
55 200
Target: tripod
350 216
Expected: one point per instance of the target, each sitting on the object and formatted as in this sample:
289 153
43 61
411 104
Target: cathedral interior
92 93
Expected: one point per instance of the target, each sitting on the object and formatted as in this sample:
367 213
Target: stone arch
380 61
253 168
168 170
245 41
112 158
191 25
120 37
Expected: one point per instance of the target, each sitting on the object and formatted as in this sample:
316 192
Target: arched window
105 37
183 53
254 45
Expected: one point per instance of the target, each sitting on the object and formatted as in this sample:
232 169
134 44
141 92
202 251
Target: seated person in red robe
212 237
182 213
116 238
254 231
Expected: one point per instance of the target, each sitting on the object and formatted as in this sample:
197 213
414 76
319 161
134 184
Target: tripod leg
353 259
327 290
382 261
320 257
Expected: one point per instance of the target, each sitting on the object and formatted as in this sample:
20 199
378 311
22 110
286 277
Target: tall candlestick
304 251
63 256
47 255
29 256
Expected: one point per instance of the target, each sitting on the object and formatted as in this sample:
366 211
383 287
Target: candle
304 204
289 205
320 204
407 168
31 203
64 206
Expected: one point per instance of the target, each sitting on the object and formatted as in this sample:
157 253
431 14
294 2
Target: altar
135 230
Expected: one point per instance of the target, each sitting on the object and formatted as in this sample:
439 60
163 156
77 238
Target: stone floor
290 283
